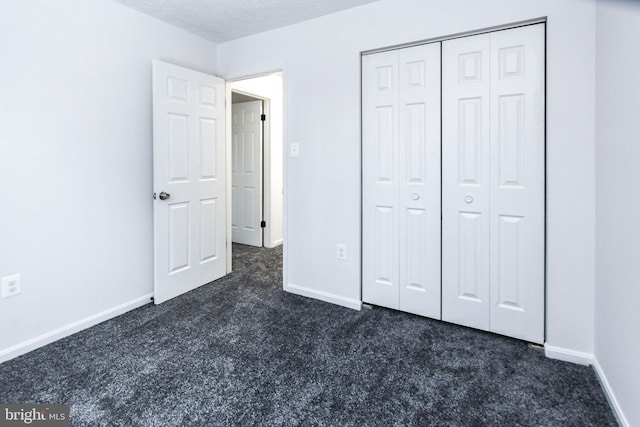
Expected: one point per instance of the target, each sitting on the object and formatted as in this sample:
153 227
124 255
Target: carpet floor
240 351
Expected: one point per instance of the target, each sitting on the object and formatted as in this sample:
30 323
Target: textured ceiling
223 20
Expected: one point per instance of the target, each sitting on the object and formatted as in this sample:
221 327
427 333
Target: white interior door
493 182
246 172
189 180
401 179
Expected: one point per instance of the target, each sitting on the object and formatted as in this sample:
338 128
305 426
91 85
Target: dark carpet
240 351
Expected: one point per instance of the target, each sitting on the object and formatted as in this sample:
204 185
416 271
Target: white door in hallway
401 179
493 182
188 179
246 173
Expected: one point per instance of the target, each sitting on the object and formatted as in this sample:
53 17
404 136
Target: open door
189 176
246 169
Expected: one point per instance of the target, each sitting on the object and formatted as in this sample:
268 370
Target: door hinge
263 224
263 117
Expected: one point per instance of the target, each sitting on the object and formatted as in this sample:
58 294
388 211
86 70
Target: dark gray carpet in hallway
240 351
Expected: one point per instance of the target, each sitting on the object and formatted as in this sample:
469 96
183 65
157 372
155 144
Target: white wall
76 158
270 86
617 316
321 63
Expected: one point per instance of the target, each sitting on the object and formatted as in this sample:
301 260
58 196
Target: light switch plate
294 149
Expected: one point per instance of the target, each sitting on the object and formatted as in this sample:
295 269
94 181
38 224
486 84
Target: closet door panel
466 180
517 183
453 228
401 179
380 175
419 185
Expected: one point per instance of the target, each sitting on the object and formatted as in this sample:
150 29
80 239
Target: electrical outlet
11 286
341 251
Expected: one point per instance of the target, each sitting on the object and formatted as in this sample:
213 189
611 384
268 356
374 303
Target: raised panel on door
179 246
246 174
380 176
178 135
517 183
419 181
188 167
466 180
209 240
208 150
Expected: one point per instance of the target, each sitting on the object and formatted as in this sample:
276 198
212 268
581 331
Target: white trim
324 296
611 397
541 20
581 358
228 162
275 244
72 328
285 175
567 355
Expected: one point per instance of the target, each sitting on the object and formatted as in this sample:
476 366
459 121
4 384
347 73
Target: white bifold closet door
401 179
493 160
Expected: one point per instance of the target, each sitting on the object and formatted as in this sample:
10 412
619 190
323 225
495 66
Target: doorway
256 158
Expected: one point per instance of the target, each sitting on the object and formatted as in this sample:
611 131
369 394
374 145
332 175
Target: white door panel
188 165
401 174
493 182
381 270
466 180
517 187
419 192
246 174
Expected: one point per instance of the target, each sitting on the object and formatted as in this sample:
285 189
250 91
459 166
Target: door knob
467 199
164 196
415 196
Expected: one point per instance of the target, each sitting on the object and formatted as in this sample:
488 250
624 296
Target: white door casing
246 170
493 182
188 165
401 179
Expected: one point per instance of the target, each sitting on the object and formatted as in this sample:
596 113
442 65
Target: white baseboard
324 296
276 243
567 355
65 331
581 358
611 397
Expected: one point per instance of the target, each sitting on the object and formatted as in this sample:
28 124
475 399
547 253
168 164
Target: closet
401 176
453 180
